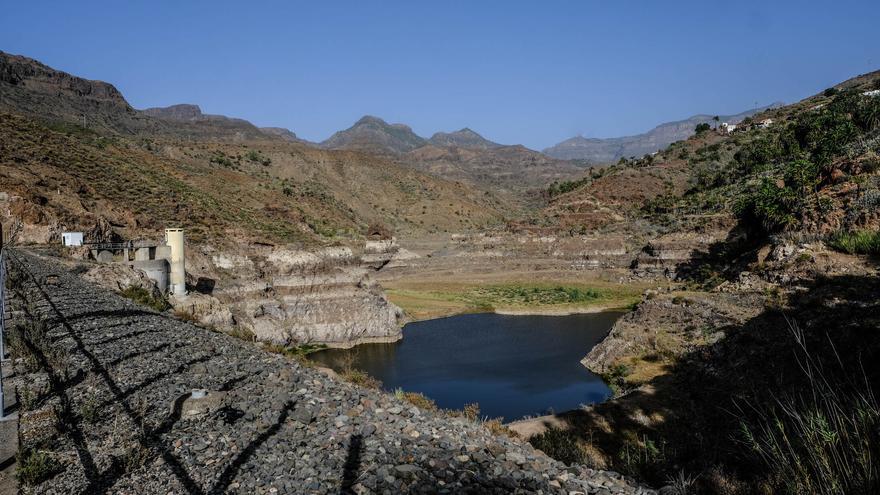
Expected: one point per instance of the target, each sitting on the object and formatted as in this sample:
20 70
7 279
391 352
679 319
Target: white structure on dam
174 240
163 263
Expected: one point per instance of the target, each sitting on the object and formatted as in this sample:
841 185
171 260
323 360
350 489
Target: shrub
702 127
242 333
773 206
135 456
471 411
183 314
360 377
257 157
560 445
615 377
142 296
90 410
419 400
759 154
642 457
34 466
557 188
222 159
859 242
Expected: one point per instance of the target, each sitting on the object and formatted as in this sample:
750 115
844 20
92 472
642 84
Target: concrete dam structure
163 263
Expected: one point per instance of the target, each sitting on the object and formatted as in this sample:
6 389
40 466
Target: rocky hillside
712 175
609 150
36 90
758 340
138 170
510 169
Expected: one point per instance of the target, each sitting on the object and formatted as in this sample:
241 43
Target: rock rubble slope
108 398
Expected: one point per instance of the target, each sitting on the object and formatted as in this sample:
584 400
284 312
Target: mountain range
74 154
608 150
34 89
462 155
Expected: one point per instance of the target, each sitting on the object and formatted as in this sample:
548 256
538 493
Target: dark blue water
513 366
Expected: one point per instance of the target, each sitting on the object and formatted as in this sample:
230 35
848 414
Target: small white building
72 238
727 128
872 93
765 123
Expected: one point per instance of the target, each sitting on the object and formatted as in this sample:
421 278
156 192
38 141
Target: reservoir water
513 366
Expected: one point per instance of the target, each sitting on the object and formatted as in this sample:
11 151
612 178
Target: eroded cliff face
293 297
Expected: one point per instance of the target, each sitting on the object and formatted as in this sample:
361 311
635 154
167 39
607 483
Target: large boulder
118 277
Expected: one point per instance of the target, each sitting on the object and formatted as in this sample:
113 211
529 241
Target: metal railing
112 246
2 326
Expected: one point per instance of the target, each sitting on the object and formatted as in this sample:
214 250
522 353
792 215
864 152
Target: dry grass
361 378
826 440
419 400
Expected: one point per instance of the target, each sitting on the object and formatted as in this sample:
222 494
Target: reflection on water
512 366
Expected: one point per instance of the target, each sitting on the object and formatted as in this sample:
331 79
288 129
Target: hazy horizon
516 73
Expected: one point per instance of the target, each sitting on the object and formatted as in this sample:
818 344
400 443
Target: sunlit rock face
291 296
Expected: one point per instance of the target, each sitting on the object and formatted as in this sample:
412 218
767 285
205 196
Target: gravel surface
111 405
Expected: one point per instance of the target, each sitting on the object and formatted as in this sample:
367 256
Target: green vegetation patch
35 466
557 188
146 298
858 242
428 302
519 295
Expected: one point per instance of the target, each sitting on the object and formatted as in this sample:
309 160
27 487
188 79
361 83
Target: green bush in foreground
859 242
33 467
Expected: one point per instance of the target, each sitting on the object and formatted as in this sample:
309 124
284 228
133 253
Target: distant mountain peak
462 138
370 119
371 133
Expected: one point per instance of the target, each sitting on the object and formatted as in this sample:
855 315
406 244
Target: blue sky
515 71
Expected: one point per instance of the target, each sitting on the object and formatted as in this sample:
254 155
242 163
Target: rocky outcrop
666 325
31 88
118 277
295 297
115 412
205 309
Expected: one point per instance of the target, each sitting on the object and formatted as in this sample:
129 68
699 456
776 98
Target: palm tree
716 119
